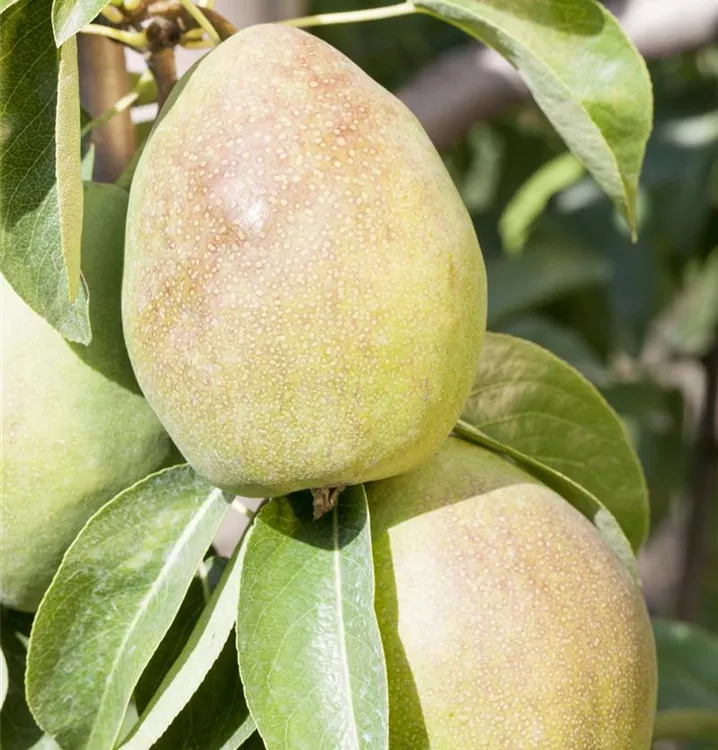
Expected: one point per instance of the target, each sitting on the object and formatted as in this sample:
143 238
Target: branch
704 492
104 81
474 83
685 724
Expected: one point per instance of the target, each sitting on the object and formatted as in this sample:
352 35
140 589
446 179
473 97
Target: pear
508 623
304 295
75 429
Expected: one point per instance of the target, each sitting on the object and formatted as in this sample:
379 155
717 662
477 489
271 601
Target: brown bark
104 80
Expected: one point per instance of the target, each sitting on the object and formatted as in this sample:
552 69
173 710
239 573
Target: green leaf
533 197
88 163
687 684
40 174
309 648
562 341
217 717
583 72
68 162
5 4
69 16
540 410
689 326
680 164
103 238
146 87
168 651
199 652
3 677
551 266
654 417
18 730
687 666
113 598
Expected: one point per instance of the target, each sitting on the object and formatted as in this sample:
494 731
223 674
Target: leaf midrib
566 88
169 562
340 618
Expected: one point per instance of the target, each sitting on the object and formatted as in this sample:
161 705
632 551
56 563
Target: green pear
507 621
304 295
75 429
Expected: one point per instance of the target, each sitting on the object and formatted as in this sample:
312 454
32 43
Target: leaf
538 408
687 666
103 238
3 678
632 289
583 72
175 639
40 176
88 163
69 16
179 684
680 160
68 161
5 4
551 266
217 717
18 730
533 197
113 598
562 341
145 86
309 648
689 326
654 417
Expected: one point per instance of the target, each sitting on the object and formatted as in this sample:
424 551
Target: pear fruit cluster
304 302
304 295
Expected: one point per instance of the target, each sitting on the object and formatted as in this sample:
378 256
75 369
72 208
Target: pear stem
325 498
240 507
353 16
202 20
686 724
162 66
134 39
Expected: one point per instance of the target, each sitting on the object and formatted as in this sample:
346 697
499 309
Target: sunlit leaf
113 598
18 730
69 16
582 71
309 648
194 668
40 173
552 419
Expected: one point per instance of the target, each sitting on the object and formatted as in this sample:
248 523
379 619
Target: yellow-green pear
508 623
75 429
304 295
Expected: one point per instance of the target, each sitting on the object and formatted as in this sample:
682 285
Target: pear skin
304 295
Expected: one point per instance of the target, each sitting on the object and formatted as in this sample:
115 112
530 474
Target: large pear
508 623
75 428
304 295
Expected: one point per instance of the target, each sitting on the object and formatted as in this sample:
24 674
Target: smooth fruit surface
75 430
304 295
508 623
